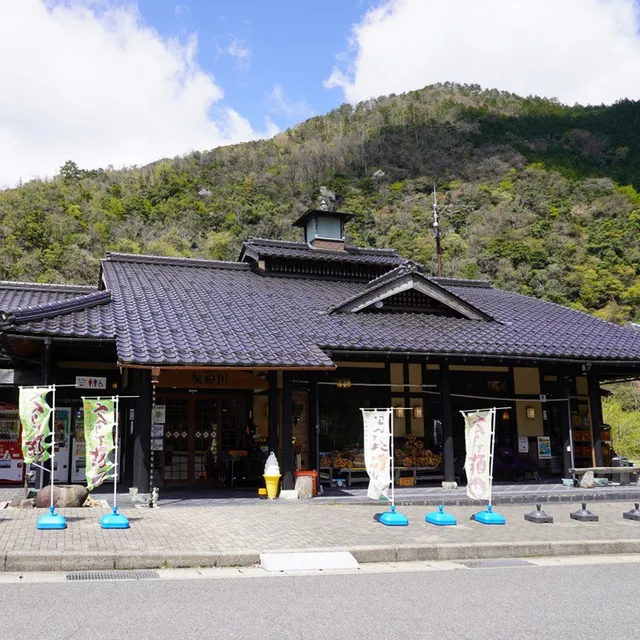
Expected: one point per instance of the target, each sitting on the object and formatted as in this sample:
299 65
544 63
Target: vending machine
11 463
78 464
62 431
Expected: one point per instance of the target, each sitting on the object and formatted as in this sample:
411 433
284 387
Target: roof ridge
44 286
462 282
272 242
166 260
59 307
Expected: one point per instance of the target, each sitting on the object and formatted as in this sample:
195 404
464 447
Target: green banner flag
99 421
36 428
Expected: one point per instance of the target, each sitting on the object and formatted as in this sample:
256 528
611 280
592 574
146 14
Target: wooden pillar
564 415
314 424
513 413
595 413
272 435
141 386
447 426
286 468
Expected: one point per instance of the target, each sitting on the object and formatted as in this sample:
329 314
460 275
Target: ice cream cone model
272 476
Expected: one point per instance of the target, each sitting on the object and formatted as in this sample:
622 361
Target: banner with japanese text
99 421
35 414
377 455
478 439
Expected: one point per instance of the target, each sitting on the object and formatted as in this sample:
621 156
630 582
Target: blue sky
127 82
289 44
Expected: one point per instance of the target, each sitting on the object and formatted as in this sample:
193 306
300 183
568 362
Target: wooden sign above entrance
211 379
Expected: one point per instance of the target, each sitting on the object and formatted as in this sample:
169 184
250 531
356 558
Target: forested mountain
539 197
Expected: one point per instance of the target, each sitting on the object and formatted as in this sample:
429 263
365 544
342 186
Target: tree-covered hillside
539 197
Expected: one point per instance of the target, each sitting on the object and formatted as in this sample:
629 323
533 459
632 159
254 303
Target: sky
126 82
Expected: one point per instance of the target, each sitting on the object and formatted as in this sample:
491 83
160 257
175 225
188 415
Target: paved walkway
237 534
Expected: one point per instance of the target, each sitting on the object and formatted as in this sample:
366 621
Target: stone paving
272 526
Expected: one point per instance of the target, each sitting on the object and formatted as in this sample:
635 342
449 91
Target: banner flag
478 438
99 421
377 458
36 428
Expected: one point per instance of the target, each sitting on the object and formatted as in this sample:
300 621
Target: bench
623 471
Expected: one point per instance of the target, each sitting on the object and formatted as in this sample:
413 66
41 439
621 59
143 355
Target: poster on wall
157 430
544 448
159 414
523 444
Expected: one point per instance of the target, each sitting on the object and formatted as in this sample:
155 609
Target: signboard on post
377 454
523 444
90 382
478 440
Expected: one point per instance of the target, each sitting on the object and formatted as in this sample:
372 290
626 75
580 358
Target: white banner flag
377 456
478 436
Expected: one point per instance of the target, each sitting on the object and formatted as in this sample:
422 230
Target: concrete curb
525 498
18 561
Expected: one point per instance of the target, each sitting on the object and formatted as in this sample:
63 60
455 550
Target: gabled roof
408 277
87 316
259 248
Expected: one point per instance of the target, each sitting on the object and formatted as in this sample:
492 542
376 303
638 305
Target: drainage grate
492 564
113 575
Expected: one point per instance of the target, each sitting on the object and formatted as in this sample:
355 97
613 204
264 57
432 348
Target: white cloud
240 52
585 51
280 104
87 81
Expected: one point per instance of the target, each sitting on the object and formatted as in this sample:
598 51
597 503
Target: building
232 359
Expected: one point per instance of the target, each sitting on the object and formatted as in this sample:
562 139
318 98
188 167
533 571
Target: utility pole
436 232
436 226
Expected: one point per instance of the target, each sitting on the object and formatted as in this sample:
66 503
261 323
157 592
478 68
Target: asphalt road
579 601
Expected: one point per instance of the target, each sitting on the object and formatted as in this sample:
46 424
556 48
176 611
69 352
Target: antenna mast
436 233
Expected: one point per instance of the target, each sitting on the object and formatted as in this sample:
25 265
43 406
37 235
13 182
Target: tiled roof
14 295
86 316
258 248
207 313
177 311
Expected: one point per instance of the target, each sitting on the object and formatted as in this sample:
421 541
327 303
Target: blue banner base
488 517
52 520
440 518
114 520
393 518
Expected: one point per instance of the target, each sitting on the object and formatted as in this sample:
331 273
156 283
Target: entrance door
199 431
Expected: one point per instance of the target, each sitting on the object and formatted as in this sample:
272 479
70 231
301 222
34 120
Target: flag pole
115 520
52 520
115 457
52 419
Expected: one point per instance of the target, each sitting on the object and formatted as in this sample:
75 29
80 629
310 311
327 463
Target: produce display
413 454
